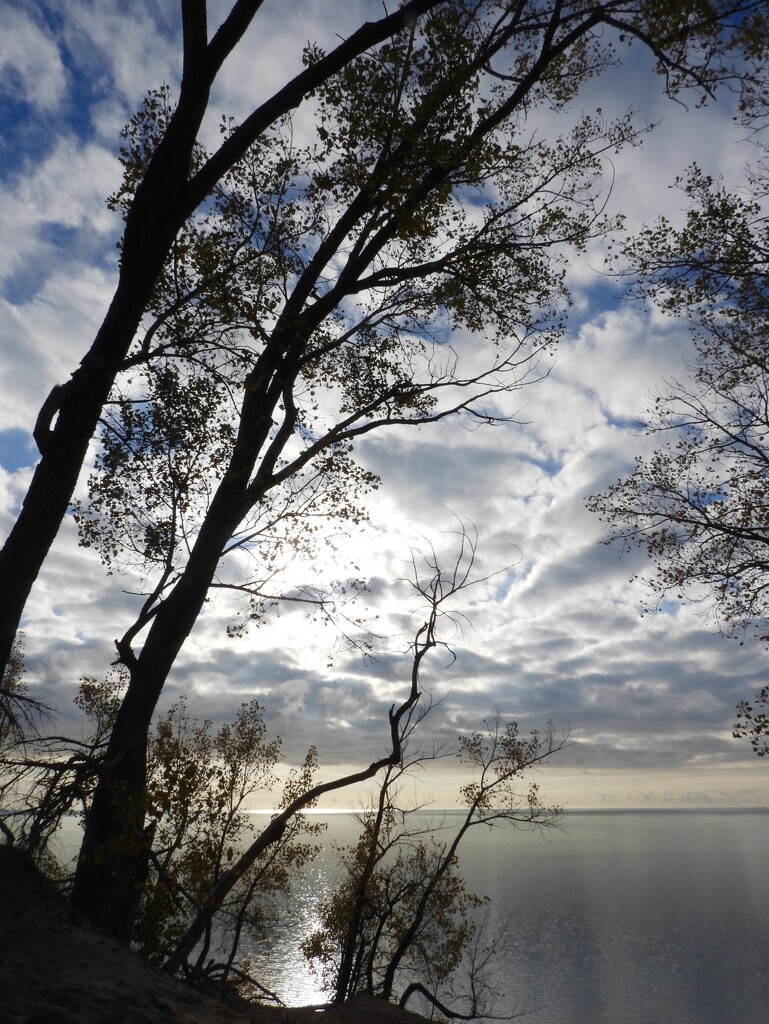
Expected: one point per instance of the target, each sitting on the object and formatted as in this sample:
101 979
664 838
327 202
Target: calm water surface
615 918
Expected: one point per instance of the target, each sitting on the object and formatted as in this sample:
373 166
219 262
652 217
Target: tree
699 504
753 722
47 776
198 784
436 587
304 295
402 917
13 697
14 712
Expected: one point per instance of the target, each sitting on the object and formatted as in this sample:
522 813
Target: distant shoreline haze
459 811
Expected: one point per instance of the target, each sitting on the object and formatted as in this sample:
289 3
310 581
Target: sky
557 631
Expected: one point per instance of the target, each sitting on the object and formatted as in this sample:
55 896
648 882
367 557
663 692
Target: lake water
615 918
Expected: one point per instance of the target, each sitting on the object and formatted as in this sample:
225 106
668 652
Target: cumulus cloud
46 335
31 68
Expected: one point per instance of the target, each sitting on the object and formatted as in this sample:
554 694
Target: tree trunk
421 910
70 415
76 407
113 863
114 856
272 834
346 978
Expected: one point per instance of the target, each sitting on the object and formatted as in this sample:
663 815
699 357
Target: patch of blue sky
84 88
701 499
25 134
517 573
63 236
67 244
664 607
506 580
308 434
630 424
595 295
28 127
474 196
17 450
549 464
21 286
93 248
83 94
607 293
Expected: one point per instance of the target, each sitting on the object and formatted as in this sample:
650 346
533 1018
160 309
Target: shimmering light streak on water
283 968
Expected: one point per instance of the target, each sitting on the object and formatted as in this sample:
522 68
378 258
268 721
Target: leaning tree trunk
75 407
345 988
70 415
114 856
275 830
113 863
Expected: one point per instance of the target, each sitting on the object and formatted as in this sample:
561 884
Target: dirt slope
54 972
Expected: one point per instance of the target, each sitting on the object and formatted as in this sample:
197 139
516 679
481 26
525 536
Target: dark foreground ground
54 972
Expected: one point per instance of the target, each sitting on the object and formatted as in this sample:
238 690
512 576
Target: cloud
53 213
31 68
557 633
46 335
120 52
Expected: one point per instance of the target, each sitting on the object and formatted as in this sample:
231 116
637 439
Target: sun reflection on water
281 967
